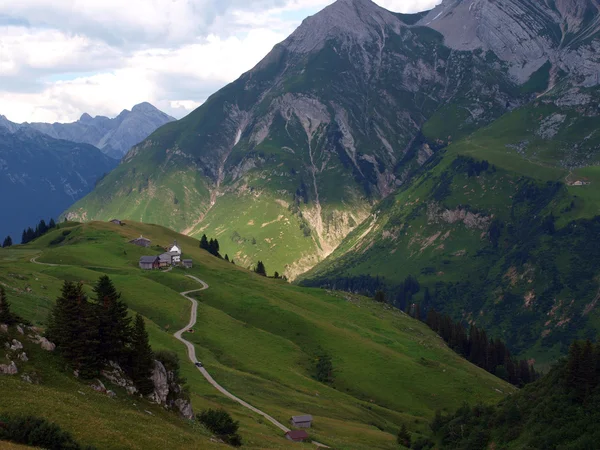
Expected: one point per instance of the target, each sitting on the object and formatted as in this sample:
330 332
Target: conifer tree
204 242
52 224
260 269
6 317
72 328
226 257
113 323
404 437
7 242
141 357
380 296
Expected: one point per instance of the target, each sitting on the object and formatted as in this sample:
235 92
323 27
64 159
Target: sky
62 58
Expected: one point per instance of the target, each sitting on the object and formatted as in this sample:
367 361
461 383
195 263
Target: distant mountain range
44 168
114 137
459 146
41 176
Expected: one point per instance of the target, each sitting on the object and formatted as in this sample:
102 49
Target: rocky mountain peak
85 117
351 21
144 108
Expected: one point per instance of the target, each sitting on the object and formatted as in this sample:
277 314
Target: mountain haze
41 176
284 162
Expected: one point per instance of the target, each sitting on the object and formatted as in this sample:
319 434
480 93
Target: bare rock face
357 21
9 369
47 345
23 357
98 386
161 383
185 408
524 34
16 345
3 328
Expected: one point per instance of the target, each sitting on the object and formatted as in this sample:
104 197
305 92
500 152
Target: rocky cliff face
113 136
525 34
283 163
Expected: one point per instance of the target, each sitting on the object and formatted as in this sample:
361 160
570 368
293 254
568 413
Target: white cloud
61 59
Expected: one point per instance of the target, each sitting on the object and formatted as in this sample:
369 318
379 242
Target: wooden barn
149 262
187 263
141 242
165 260
301 421
297 435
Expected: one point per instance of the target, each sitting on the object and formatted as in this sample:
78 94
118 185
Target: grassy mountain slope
510 244
258 337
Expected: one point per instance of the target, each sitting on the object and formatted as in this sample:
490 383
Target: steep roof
304 418
297 435
148 259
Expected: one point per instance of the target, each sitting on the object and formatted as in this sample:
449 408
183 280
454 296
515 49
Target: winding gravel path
203 371
192 350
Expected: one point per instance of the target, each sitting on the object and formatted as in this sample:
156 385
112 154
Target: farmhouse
165 260
187 263
141 242
149 262
301 421
297 435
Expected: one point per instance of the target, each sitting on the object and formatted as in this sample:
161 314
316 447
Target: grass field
258 337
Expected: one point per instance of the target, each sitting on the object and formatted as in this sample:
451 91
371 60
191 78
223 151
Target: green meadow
259 338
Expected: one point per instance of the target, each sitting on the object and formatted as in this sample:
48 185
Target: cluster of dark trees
37 432
222 424
260 269
489 354
324 369
560 410
8 242
89 334
211 246
41 228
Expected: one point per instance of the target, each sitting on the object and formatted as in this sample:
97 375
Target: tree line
488 353
474 345
560 410
90 333
29 234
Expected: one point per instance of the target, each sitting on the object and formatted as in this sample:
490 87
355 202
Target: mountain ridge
113 137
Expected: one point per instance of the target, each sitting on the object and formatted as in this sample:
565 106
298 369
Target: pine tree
204 242
52 224
380 296
404 437
113 323
7 242
141 360
6 317
260 269
226 257
276 275
71 327
24 237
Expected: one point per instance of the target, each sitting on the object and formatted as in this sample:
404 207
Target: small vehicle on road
198 364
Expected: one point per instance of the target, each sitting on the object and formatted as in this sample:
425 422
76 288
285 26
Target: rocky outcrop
9 369
168 393
161 384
